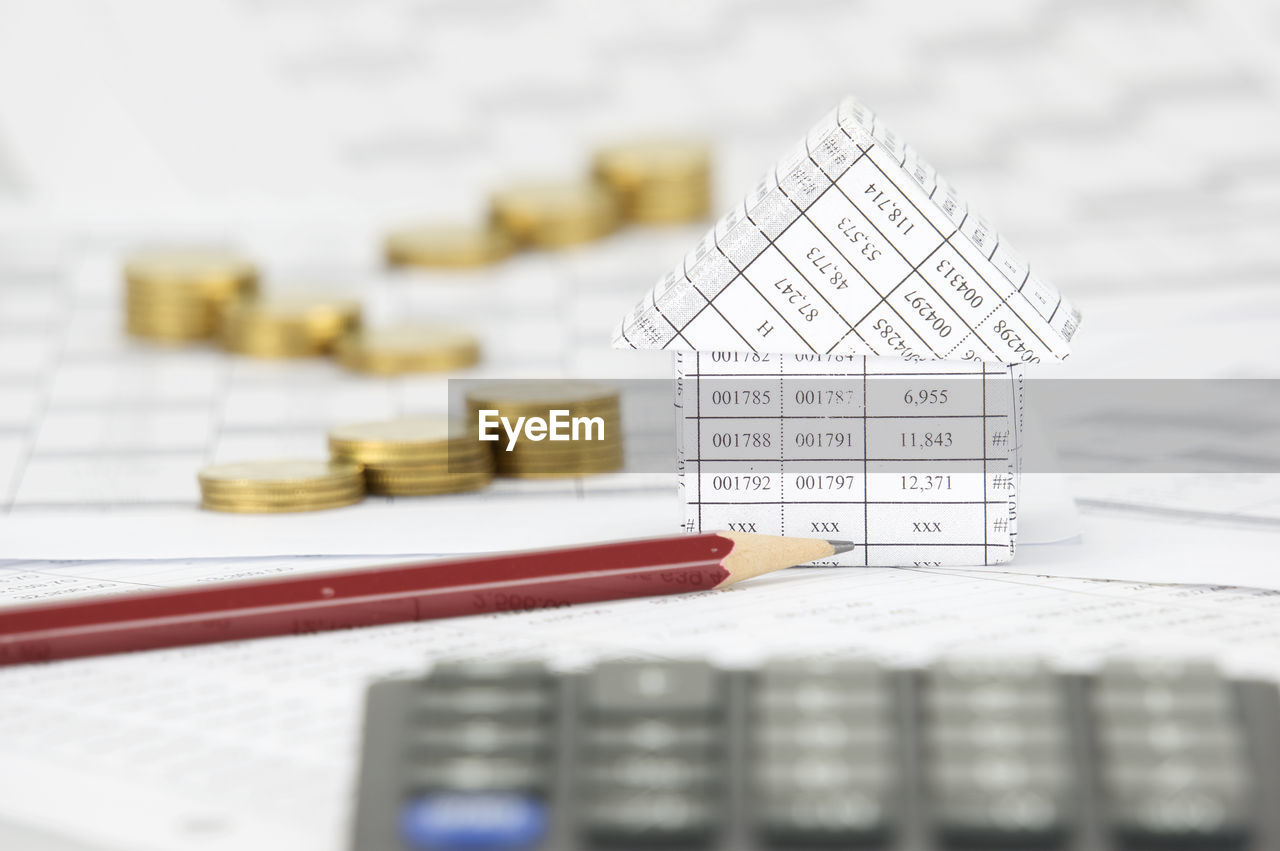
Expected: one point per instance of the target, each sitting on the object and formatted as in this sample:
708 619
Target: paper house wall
849 341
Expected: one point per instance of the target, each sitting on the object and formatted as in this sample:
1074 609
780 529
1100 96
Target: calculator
820 754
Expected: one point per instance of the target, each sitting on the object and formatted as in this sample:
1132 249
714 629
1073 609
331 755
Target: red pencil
381 595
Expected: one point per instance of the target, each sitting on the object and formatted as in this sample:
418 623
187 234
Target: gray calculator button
874 722
994 699
823 820
651 772
1228 776
823 772
655 818
788 732
481 736
1171 735
1191 818
998 772
1154 703
880 749
476 773
1034 758
1193 675
650 735
1140 760
1024 818
654 688
487 700
1027 736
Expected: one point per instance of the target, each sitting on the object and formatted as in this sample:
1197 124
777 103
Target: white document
853 244
916 463
825 328
253 745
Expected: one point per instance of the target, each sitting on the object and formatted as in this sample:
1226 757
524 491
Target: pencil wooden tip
753 555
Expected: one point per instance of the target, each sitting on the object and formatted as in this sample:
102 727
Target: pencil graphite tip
841 546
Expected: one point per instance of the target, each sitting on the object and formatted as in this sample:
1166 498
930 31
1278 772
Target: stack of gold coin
552 215
590 419
268 487
178 295
658 182
444 246
398 349
289 324
415 456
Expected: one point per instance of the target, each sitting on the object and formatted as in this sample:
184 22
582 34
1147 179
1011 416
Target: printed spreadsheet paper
850 268
252 746
853 244
873 450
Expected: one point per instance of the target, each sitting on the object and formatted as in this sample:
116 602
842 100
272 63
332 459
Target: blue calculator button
452 820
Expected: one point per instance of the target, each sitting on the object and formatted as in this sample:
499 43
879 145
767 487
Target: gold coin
627 165
274 486
398 349
428 473
264 492
165 308
170 328
543 458
179 295
597 426
565 468
448 246
213 274
671 209
547 452
260 476
415 455
405 440
590 423
279 507
284 496
659 181
559 471
538 394
288 324
537 458
395 484
525 455
552 215
550 400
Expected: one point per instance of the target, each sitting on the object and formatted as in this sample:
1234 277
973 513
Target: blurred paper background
1120 145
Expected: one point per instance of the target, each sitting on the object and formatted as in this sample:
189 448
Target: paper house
848 347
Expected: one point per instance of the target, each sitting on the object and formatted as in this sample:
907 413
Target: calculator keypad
1172 756
477 762
650 765
821 754
997 757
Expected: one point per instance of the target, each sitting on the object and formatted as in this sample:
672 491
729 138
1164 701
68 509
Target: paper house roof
853 244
